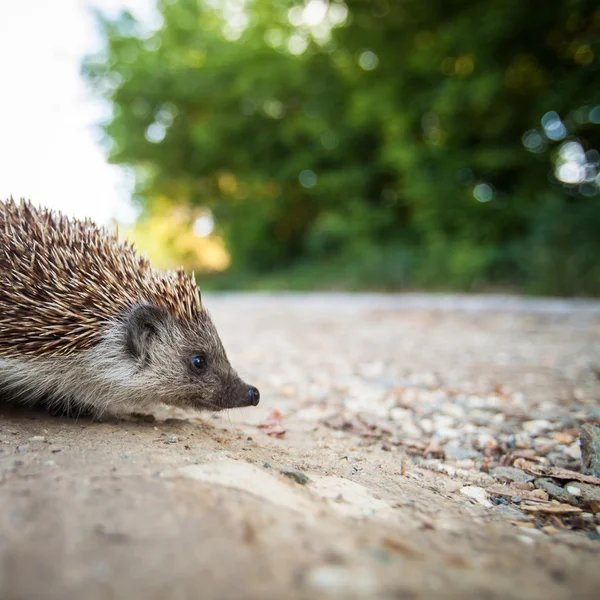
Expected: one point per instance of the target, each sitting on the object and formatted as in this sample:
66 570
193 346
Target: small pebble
456 452
37 438
465 463
526 540
478 494
573 451
573 490
498 500
555 491
536 426
297 476
589 438
510 474
590 495
339 580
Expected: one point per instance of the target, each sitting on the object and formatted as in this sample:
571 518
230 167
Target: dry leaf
273 425
558 473
508 490
556 509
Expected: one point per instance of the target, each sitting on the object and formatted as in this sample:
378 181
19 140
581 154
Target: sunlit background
317 143
49 149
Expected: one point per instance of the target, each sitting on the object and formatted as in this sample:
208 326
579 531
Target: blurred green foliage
379 144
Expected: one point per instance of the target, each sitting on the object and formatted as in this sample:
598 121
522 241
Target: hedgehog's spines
68 280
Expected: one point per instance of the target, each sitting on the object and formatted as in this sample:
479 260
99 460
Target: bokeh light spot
307 178
314 12
570 172
297 44
533 141
274 108
368 60
166 114
155 133
483 192
295 16
553 126
204 225
337 13
575 166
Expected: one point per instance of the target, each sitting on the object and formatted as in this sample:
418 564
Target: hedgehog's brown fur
68 279
85 322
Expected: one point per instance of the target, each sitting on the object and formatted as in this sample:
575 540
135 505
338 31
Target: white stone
409 429
453 410
426 425
536 426
400 414
573 451
526 540
338 580
478 494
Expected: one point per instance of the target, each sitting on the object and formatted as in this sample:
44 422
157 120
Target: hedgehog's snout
237 394
245 395
253 396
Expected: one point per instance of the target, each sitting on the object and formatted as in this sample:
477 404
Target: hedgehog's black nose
253 395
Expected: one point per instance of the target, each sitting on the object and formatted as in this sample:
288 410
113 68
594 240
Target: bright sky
48 140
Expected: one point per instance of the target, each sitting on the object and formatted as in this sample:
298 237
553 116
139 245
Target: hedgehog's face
184 363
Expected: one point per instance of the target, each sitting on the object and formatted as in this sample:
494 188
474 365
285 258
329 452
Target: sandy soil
195 506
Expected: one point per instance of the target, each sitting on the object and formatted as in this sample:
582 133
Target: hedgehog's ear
142 328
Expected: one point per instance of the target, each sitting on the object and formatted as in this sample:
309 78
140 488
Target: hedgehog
89 326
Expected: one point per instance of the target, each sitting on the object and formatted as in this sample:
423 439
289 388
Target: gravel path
410 446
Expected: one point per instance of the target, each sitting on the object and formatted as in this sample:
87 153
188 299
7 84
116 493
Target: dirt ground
388 408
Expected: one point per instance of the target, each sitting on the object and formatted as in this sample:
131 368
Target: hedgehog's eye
199 362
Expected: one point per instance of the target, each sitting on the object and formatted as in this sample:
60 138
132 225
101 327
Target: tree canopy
445 144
